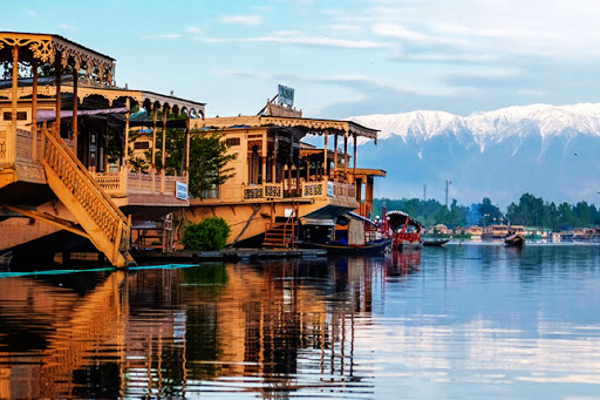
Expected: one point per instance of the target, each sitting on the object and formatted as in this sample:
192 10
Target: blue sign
181 190
330 189
286 95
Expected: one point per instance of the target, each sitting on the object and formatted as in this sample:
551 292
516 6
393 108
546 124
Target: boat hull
435 242
374 247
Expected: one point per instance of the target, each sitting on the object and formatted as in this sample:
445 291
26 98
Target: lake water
471 321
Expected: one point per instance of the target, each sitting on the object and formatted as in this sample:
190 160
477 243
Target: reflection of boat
432 242
5 259
374 246
405 230
514 240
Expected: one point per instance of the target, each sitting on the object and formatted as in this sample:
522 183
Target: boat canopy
354 215
397 219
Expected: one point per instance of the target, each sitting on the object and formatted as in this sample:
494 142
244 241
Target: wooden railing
307 189
118 184
313 189
25 149
83 189
343 189
4 146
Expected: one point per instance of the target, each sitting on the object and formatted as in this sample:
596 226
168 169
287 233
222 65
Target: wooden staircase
103 222
282 235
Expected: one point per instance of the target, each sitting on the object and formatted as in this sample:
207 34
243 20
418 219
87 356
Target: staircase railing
288 231
82 186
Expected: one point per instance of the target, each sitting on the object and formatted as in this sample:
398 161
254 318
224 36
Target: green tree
489 212
207 235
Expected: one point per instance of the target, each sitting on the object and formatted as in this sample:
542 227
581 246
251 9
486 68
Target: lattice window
21 115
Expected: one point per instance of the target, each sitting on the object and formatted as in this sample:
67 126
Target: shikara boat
514 240
404 230
435 242
337 248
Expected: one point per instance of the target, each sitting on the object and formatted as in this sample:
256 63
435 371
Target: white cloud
32 13
168 36
526 28
67 27
250 20
287 37
353 81
194 30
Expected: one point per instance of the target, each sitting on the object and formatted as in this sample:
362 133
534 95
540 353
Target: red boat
404 230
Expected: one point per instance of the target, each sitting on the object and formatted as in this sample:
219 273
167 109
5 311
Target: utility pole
448 183
425 192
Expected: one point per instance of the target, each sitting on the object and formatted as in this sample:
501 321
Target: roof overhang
307 125
45 48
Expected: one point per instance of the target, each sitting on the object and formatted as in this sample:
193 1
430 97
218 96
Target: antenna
448 183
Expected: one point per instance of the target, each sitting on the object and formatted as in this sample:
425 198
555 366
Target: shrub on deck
207 235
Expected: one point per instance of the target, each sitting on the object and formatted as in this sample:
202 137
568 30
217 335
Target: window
21 115
232 142
141 145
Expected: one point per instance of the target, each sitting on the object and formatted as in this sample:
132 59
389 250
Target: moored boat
339 248
351 233
404 230
435 242
514 240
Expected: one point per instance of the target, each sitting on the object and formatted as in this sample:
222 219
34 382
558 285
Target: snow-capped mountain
549 151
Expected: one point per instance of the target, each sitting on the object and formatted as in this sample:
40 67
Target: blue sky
344 58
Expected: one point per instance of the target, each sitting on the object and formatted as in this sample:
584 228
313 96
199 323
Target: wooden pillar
163 155
346 155
263 154
187 146
354 172
369 194
308 168
11 138
58 74
326 134
75 100
297 166
34 91
273 177
154 114
289 179
127 106
335 145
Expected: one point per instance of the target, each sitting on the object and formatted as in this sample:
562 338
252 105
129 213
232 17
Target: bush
207 235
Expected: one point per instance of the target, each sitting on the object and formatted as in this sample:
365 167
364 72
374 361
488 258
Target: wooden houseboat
62 115
279 180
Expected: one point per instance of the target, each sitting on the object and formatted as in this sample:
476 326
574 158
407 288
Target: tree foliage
208 157
529 211
208 235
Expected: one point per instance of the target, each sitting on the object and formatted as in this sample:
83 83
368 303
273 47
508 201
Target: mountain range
549 151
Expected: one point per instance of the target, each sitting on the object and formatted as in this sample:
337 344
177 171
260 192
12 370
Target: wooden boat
435 242
514 240
404 230
372 247
351 234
